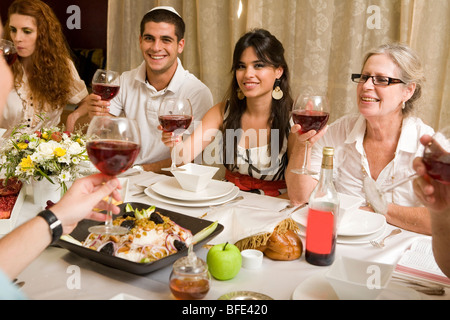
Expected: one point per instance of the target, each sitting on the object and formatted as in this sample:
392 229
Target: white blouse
19 105
346 135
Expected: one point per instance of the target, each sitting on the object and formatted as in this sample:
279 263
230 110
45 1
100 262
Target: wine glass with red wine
105 84
311 113
175 115
113 146
9 51
436 157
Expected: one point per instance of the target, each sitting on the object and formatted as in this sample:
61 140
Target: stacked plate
354 226
169 191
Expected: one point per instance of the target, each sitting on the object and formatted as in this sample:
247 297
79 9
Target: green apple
224 261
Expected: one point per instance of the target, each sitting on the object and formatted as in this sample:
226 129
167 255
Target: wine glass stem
173 154
305 160
109 217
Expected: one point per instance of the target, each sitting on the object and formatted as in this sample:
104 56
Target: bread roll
283 246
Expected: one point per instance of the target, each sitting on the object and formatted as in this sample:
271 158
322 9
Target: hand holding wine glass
311 113
9 51
113 146
436 158
175 116
106 84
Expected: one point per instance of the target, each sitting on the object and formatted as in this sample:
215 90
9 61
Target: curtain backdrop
325 41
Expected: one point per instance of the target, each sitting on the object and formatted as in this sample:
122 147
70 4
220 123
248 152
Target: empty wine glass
106 84
436 157
311 113
113 146
175 115
9 51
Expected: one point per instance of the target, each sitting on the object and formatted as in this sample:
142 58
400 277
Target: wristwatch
54 224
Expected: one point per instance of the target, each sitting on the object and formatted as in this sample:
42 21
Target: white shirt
346 136
139 100
19 109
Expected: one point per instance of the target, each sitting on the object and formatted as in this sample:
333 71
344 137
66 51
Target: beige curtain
325 41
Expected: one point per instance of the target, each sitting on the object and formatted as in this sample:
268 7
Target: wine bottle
322 216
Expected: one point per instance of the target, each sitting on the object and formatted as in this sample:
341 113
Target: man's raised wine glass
113 146
106 84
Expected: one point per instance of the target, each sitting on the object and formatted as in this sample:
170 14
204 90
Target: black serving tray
81 232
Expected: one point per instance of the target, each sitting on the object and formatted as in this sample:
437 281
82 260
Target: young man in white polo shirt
159 76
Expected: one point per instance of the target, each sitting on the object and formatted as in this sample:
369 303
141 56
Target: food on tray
151 236
9 191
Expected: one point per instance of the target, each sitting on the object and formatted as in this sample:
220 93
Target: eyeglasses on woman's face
377 80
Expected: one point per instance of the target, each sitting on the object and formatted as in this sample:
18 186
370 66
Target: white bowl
354 279
251 259
195 177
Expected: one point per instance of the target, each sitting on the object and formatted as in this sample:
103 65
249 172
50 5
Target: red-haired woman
45 78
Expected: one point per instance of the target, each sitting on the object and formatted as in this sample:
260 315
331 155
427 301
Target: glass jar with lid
190 278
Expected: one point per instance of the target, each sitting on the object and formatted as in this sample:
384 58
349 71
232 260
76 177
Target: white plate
317 287
170 188
195 204
350 239
353 223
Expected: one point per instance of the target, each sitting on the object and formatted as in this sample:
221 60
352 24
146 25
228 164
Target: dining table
59 274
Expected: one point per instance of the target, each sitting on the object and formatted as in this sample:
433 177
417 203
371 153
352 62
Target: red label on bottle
319 231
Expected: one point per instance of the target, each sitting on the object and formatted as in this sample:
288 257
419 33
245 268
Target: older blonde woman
381 141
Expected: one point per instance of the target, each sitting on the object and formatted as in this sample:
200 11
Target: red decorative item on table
9 191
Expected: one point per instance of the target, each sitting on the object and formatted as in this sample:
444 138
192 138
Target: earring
403 105
277 93
240 94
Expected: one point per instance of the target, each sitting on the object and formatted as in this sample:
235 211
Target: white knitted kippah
166 8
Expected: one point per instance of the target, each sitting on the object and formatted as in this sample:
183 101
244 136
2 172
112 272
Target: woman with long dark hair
253 120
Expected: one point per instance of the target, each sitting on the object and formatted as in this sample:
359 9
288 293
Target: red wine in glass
310 119
438 166
171 123
8 50
105 91
113 146
112 157
10 57
311 113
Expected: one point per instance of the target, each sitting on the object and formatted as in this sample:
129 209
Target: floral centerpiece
44 154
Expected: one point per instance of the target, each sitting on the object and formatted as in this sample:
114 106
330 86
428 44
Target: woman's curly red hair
50 78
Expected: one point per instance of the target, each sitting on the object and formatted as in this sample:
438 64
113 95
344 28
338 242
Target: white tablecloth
60 274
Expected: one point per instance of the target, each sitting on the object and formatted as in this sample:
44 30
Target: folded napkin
247 227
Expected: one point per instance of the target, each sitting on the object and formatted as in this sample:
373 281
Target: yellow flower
45 135
26 164
60 152
22 145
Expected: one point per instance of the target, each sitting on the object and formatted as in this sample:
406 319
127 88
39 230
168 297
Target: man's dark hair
162 15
